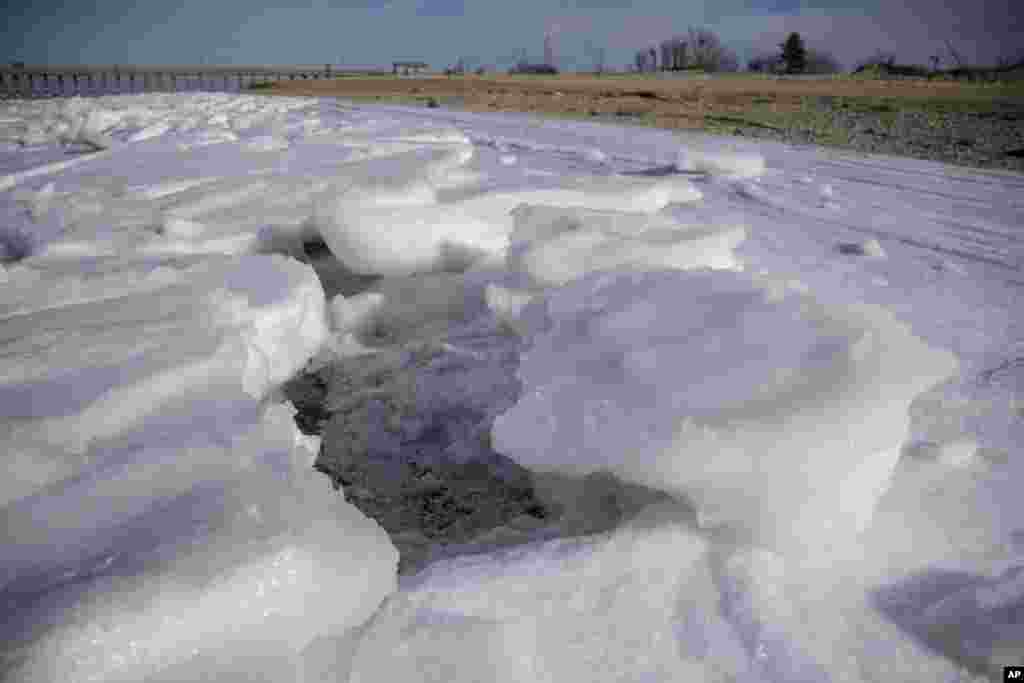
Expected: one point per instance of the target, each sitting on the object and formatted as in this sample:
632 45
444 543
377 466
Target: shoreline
970 126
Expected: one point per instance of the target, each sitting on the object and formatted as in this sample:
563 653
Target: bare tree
673 51
955 55
880 58
708 53
678 54
1010 61
821 62
703 44
641 61
765 63
728 63
701 49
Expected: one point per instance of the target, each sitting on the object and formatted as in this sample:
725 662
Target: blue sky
488 32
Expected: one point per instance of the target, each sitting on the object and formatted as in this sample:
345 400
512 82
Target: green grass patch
933 106
733 121
809 117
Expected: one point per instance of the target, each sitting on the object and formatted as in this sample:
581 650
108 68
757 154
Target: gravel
986 140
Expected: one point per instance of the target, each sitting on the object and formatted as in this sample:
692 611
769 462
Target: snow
772 394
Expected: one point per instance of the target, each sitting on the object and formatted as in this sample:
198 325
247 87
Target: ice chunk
172 187
180 227
410 178
806 624
553 246
158 129
401 241
216 197
422 136
354 314
92 130
627 193
378 233
204 138
734 164
87 128
447 169
12 179
507 305
41 202
155 568
958 452
120 350
267 143
548 611
775 414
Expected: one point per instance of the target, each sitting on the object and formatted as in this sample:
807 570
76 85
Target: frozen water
673 380
426 237
132 345
771 395
554 246
479 617
734 164
172 557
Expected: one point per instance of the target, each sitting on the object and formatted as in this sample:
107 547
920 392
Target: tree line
702 50
699 49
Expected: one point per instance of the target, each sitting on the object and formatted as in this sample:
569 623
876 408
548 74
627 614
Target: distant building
408 67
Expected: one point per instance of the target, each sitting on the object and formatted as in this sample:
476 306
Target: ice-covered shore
783 419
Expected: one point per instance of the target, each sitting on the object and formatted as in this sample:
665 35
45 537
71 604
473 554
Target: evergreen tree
794 54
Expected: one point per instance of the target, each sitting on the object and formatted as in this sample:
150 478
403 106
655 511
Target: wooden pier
30 80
